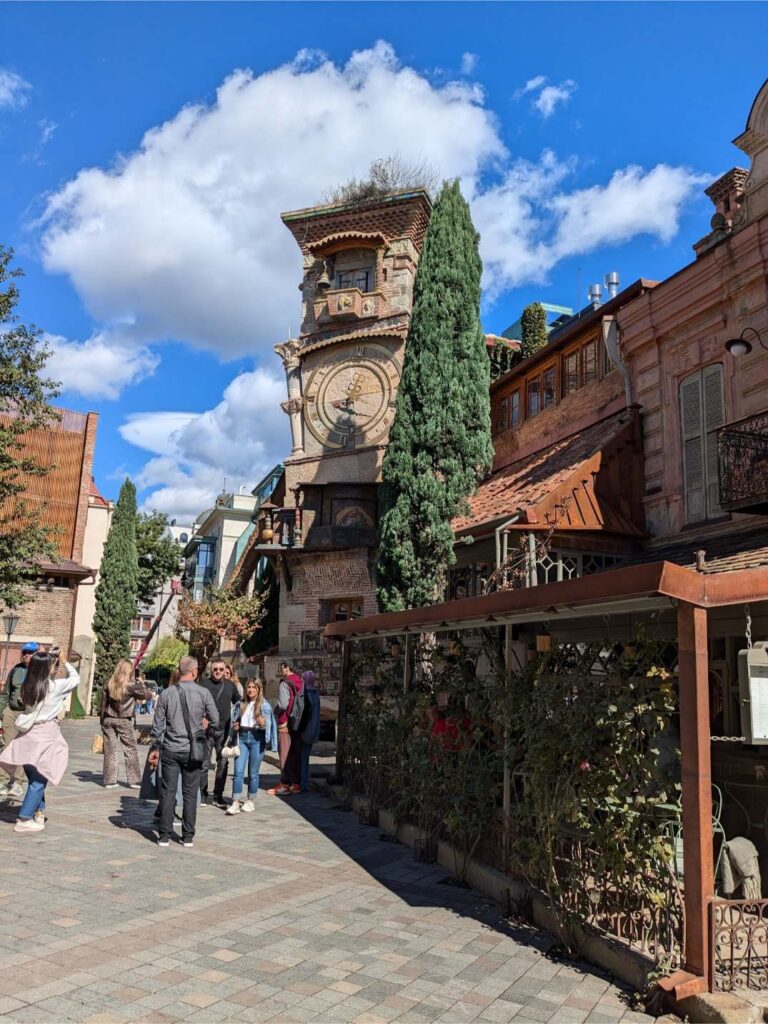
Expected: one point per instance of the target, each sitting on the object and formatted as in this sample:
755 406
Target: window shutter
714 417
693 448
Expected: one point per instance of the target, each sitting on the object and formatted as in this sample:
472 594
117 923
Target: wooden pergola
630 589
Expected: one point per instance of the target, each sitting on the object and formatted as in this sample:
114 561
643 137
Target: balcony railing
742 449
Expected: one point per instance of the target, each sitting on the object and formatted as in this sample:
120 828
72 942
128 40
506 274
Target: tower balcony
742 449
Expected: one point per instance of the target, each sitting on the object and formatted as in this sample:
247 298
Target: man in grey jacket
171 738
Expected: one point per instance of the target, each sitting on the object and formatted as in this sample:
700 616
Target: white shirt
248 721
54 701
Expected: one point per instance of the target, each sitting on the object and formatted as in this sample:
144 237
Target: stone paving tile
312 920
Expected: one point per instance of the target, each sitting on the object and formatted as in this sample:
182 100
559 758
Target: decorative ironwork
739 945
742 449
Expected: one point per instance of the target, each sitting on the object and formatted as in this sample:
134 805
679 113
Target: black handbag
198 747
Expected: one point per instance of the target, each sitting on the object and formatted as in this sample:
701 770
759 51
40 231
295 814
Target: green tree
24 397
534 325
117 588
158 555
440 443
503 358
165 654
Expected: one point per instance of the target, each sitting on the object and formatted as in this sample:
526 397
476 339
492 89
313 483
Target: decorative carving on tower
289 351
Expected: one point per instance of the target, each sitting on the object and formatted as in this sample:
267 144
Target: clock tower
342 373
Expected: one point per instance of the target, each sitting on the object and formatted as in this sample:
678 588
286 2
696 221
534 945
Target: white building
217 541
98 518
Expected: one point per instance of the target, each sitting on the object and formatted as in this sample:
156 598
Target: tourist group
196 724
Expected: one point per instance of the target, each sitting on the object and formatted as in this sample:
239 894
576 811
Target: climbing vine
589 739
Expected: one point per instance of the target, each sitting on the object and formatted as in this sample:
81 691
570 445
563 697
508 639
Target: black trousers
173 765
215 740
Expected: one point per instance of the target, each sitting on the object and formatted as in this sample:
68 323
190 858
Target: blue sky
583 134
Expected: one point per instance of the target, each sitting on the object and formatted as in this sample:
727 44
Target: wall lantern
740 346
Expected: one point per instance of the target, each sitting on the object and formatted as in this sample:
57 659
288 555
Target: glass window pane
548 388
514 410
571 373
533 397
590 362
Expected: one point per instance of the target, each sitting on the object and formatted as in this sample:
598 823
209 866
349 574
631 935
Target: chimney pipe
594 294
612 283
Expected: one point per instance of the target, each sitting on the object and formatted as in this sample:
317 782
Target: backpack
299 713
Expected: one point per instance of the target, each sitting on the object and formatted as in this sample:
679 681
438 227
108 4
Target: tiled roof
98 497
723 552
65 567
551 474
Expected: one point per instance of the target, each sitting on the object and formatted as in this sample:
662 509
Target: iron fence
742 449
738 945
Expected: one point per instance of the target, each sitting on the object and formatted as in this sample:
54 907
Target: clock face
350 398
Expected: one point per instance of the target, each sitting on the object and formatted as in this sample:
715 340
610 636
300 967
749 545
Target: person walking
224 694
254 726
11 707
39 746
182 715
288 735
118 704
312 731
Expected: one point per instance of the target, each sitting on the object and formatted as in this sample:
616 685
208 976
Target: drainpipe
611 342
502 547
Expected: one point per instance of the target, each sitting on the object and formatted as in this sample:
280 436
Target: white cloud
14 89
182 239
237 441
184 236
551 95
634 202
530 86
100 367
468 63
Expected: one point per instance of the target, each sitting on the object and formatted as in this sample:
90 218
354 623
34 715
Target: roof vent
595 294
612 283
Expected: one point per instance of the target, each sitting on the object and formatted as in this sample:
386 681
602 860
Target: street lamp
740 346
10 622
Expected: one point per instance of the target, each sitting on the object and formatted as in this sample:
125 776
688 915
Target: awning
581 482
628 589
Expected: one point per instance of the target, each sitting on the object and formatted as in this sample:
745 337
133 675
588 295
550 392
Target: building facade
342 374
211 550
64 498
98 519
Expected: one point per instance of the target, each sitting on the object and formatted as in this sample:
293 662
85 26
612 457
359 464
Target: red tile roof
538 482
724 552
98 497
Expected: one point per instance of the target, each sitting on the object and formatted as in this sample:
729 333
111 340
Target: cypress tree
534 325
440 443
117 588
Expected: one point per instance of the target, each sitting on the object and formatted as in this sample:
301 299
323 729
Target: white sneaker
16 790
110 785
29 826
234 807
248 806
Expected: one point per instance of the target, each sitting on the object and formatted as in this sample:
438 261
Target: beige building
215 544
97 522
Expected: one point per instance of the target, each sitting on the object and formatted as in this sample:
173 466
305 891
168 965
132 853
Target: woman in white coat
39 747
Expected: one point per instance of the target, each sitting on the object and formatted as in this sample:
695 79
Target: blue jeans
34 798
306 750
252 745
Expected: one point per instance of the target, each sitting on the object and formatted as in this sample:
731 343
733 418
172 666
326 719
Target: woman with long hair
231 674
118 704
39 747
255 728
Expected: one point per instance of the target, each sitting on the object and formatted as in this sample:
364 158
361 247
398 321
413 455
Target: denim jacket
270 729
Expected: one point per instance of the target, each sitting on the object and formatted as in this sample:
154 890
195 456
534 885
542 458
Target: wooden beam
341 721
696 766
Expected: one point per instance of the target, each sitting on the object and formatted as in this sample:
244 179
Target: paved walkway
293 913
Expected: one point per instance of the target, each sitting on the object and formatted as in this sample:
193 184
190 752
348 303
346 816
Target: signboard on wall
753 693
